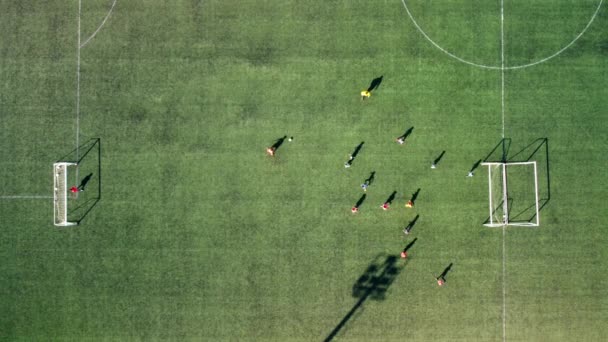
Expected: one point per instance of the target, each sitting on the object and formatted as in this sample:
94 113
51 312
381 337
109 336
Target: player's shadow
85 181
373 284
275 146
445 272
375 83
370 179
356 150
410 225
360 201
80 207
438 159
391 198
409 245
475 165
415 196
406 134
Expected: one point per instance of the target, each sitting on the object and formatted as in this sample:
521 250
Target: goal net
60 193
513 194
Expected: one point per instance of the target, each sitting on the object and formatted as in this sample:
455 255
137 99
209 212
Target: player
409 204
271 150
365 94
385 206
470 174
74 189
400 140
404 254
364 186
440 281
354 210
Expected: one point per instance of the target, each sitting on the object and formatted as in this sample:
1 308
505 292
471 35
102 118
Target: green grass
200 236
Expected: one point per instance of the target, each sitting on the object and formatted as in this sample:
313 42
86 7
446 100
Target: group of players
366 94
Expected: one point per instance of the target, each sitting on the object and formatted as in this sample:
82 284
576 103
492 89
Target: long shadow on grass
410 225
357 150
406 134
499 152
85 202
84 148
360 201
537 151
277 143
375 83
445 272
415 196
438 159
373 284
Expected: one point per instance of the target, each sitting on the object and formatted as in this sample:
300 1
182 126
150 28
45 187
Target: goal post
60 193
509 194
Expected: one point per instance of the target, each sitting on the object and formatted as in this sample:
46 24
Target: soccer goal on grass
513 194
60 192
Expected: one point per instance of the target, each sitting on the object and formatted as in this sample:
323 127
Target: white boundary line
504 227
100 26
502 66
504 285
25 196
78 89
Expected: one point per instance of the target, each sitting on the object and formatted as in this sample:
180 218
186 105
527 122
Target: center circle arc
498 67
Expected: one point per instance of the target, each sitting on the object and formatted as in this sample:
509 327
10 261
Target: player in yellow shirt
365 94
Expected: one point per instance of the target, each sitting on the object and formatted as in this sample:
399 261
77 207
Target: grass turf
200 236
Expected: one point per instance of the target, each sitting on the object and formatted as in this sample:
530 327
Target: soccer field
196 234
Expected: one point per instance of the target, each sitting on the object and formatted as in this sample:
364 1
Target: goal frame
60 194
505 195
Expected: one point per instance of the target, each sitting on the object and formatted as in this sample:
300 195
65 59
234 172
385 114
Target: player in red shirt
74 189
385 206
403 254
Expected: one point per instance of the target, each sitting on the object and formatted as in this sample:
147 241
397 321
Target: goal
513 194
60 193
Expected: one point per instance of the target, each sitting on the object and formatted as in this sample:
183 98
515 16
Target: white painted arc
100 25
501 67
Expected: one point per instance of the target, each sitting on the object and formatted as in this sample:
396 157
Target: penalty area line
25 197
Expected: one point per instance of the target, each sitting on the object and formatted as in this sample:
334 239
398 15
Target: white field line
565 47
24 196
78 89
504 285
100 26
502 107
495 67
502 65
